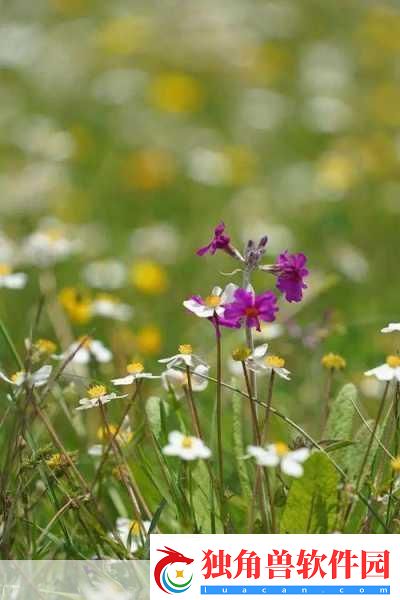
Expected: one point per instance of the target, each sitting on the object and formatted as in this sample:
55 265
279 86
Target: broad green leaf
238 445
204 502
312 501
153 406
340 422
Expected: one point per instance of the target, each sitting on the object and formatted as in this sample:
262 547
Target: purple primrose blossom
220 241
249 309
291 271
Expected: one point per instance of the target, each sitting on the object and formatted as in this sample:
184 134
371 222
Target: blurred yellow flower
77 305
337 172
123 36
70 7
384 104
266 64
176 93
149 340
149 277
333 361
243 162
149 169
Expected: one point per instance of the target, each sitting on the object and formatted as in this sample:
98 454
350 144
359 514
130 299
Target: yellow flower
333 361
4 270
185 349
149 277
124 435
45 346
78 306
124 36
242 164
176 93
149 169
393 361
70 7
148 340
275 362
241 354
337 172
96 391
134 368
396 463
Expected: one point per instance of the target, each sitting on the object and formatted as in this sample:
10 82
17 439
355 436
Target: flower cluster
237 306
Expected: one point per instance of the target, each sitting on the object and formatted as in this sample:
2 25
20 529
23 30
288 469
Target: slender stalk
371 440
327 400
260 472
192 405
265 427
118 455
113 436
256 428
395 449
219 418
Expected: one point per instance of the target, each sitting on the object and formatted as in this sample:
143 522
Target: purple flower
291 271
220 241
249 309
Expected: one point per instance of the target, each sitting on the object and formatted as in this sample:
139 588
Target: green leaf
153 413
312 502
204 501
238 445
340 422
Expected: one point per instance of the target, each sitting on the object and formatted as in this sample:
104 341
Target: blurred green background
143 125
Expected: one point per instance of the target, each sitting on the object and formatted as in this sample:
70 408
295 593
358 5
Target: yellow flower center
241 354
55 460
212 301
4 269
14 378
54 235
107 298
96 391
135 368
393 361
185 349
135 528
187 442
78 306
149 277
396 463
333 361
275 362
46 346
281 448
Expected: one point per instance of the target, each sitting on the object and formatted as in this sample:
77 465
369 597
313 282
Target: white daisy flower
177 380
108 274
387 372
279 454
107 306
8 279
48 245
37 379
131 533
135 371
96 395
212 305
260 362
184 358
186 447
91 349
391 328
